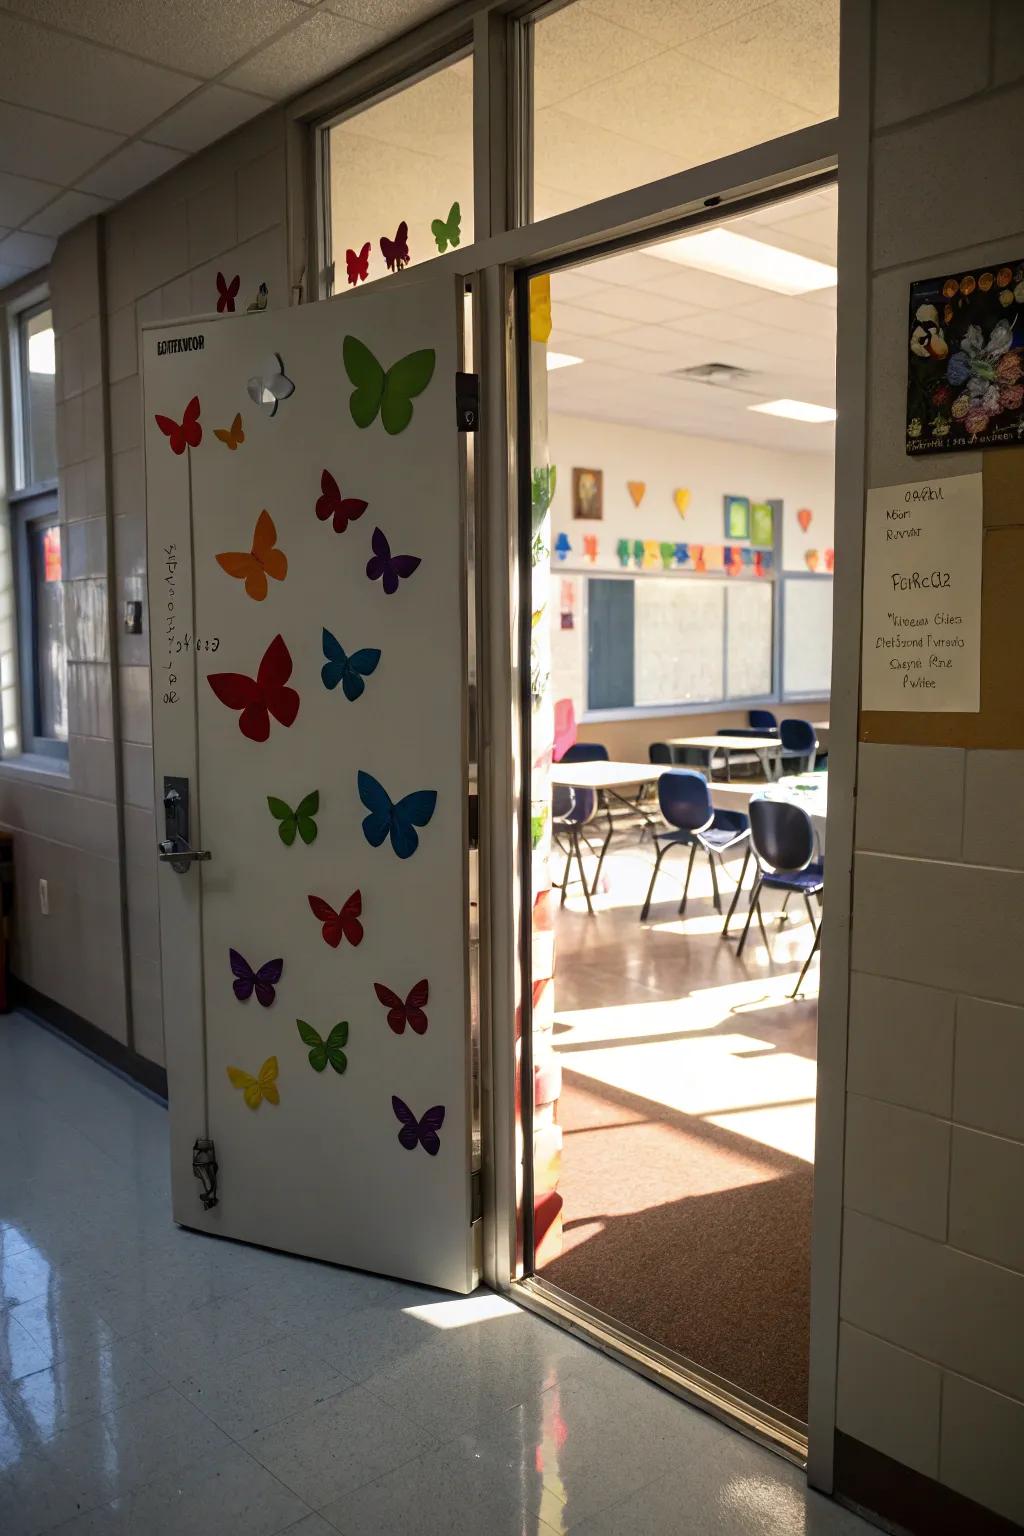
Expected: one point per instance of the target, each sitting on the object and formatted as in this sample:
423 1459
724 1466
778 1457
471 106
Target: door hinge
467 401
204 1166
476 1196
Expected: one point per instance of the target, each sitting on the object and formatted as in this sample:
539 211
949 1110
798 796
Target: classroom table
809 790
602 774
767 748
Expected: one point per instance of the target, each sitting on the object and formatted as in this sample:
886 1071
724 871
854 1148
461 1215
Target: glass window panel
48 617
678 646
749 640
407 159
38 376
807 635
628 91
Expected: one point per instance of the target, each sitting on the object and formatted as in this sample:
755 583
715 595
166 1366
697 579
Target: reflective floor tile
66 1322
263 1386
224 1329
312 1525
72 1391
20 1355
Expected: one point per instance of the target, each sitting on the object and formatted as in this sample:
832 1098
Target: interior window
37 373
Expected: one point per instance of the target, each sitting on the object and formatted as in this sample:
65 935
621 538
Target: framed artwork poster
588 494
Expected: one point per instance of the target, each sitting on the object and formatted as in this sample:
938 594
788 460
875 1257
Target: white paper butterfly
271 385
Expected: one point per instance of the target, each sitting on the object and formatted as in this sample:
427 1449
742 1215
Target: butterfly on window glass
186 434
347 670
409 1011
448 232
423 1131
322 1051
339 925
331 503
247 981
396 251
230 436
387 568
227 293
301 820
256 1089
358 265
260 697
397 818
390 392
263 560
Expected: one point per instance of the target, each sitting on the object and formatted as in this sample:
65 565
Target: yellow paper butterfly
256 1089
230 436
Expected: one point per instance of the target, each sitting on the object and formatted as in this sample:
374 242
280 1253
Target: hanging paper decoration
590 547
260 697
387 568
247 981
343 924
682 553
762 524
830 559
322 1051
758 563
397 818
697 556
230 436
227 293
737 517
349 671
358 266
391 392
667 552
419 1132
331 504
622 550
256 1089
714 557
681 498
638 553
540 308
768 559
652 555
636 489
263 560
567 605
811 558
562 546
259 303
410 1011
187 434
747 556
448 232
271 385
301 820
732 560
804 517
396 251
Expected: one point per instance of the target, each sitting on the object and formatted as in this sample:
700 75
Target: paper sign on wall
922 596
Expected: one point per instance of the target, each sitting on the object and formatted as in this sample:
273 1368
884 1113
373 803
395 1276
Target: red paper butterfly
408 1012
227 293
189 434
339 925
396 251
260 698
344 509
358 266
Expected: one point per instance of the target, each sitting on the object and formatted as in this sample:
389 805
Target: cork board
1000 721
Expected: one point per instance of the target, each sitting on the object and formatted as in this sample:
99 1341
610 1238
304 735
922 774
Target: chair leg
736 893
663 849
810 912
755 893
600 859
814 948
583 873
764 931
714 883
565 874
783 914
689 871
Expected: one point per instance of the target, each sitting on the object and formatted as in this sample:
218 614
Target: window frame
19 313
30 511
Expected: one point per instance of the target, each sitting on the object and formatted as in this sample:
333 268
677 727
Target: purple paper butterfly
387 568
247 981
423 1131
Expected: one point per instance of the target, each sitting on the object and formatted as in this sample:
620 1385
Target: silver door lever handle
179 855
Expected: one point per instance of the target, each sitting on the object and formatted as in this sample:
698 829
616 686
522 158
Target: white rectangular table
767 748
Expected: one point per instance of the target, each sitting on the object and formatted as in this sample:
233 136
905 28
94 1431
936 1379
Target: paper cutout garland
405 1011
590 547
262 561
391 392
636 489
257 1089
322 1051
804 517
562 546
397 819
260 697
247 981
301 820
811 558
681 498
830 559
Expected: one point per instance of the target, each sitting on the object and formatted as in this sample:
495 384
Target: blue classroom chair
782 836
685 802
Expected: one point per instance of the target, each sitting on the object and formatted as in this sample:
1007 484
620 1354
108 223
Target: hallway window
34 397
41 639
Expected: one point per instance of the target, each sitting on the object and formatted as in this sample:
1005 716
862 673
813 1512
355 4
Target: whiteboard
807 635
678 629
749 639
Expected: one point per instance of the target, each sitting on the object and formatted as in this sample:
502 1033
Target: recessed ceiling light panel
795 410
561 360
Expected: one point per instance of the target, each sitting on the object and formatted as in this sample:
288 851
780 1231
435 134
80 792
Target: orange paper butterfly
262 561
230 436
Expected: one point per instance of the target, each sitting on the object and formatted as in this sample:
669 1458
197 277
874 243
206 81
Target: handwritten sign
922 596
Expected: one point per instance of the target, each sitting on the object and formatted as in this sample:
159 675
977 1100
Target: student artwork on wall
762 525
737 517
588 494
681 497
636 489
965 375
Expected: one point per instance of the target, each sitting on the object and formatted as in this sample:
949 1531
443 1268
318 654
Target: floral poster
965 383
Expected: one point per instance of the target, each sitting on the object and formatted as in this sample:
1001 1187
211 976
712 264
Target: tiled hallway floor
156 1382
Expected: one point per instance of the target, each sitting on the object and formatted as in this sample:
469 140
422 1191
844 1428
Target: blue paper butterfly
400 819
349 671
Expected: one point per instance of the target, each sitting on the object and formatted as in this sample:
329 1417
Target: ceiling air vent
723 375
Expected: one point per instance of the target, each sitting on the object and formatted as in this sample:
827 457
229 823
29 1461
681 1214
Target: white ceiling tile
572 283
669 21
68 210
795 314
705 290
719 325
792 43
577 50
632 269
434 116
50 148
586 322
208 115
391 16
192 35
25 250
20 197
320 45
11 274
586 161
131 168
635 304
44 69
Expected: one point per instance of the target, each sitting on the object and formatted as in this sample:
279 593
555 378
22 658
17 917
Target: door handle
179 855
174 848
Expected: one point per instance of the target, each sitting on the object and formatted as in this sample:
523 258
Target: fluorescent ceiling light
561 360
41 355
795 410
728 254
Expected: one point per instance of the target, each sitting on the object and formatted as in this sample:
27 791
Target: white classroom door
270 699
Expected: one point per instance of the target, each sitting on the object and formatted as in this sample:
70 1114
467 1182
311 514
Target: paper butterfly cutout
343 924
803 517
638 551
448 232
622 550
256 1089
271 385
260 301
408 1012
400 818
682 553
331 503
830 559
227 293
247 981
682 501
231 436
590 547
652 555
390 393
423 1131
349 671
387 568
396 251
667 556
358 266
260 697
636 489
811 557
562 546
263 560
300 820
323 1051
189 434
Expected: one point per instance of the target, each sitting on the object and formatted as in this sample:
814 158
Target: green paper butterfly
448 232
300 820
390 393
323 1051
